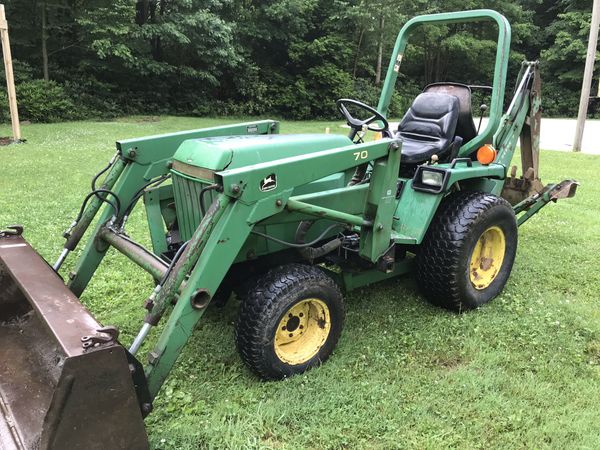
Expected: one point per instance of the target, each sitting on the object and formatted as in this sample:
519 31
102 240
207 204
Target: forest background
98 59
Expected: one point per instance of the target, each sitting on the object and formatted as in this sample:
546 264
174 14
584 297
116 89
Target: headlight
430 178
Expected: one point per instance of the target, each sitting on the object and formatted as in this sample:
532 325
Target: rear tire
469 250
290 321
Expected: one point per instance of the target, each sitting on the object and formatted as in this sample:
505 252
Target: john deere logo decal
268 183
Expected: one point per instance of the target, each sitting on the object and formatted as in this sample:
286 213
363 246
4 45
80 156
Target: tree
564 58
285 57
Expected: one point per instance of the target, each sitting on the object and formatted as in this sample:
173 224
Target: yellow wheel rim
487 257
302 331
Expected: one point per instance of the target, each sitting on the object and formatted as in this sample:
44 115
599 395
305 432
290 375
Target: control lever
483 108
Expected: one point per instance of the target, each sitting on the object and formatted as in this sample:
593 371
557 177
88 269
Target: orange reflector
378 136
486 154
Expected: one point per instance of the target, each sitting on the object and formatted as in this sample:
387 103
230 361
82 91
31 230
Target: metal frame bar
153 199
326 213
135 252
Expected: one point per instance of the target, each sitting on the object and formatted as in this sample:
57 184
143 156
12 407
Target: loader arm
139 162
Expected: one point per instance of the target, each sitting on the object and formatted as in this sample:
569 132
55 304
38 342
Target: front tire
290 321
469 250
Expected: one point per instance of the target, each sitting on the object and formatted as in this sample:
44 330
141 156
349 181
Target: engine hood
232 152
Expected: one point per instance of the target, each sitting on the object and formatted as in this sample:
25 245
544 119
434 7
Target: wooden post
10 79
587 76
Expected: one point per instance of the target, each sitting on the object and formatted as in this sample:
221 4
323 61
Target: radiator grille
186 191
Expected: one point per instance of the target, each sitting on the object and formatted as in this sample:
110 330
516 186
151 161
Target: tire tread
440 254
261 302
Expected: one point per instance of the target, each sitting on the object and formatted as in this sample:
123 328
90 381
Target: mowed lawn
522 372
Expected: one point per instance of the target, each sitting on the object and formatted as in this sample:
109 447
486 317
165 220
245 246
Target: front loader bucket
57 390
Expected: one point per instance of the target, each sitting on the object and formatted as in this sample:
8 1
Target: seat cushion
465 126
428 127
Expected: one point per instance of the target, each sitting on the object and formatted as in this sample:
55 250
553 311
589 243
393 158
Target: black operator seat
465 127
429 127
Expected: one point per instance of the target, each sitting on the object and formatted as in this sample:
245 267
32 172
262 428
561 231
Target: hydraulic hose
201 196
116 206
311 253
359 174
152 183
88 212
295 245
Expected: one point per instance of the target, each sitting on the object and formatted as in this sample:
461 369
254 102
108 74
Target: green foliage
94 99
22 72
4 108
565 58
291 58
558 100
329 83
368 93
44 101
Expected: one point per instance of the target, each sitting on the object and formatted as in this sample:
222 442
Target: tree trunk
154 42
426 62
141 11
379 52
438 66
357 55
44 43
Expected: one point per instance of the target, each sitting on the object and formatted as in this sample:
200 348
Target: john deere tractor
289 223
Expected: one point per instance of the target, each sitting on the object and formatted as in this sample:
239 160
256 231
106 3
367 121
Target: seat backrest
465 128
432 117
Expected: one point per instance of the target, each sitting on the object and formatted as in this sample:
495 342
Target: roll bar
501 67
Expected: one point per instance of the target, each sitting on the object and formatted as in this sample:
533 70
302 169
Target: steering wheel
356 124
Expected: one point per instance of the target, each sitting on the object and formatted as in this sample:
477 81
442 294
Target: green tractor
287 222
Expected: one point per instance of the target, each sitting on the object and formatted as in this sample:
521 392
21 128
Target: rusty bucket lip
58 308
65 371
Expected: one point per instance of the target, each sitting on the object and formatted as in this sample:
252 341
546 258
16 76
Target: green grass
522 372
